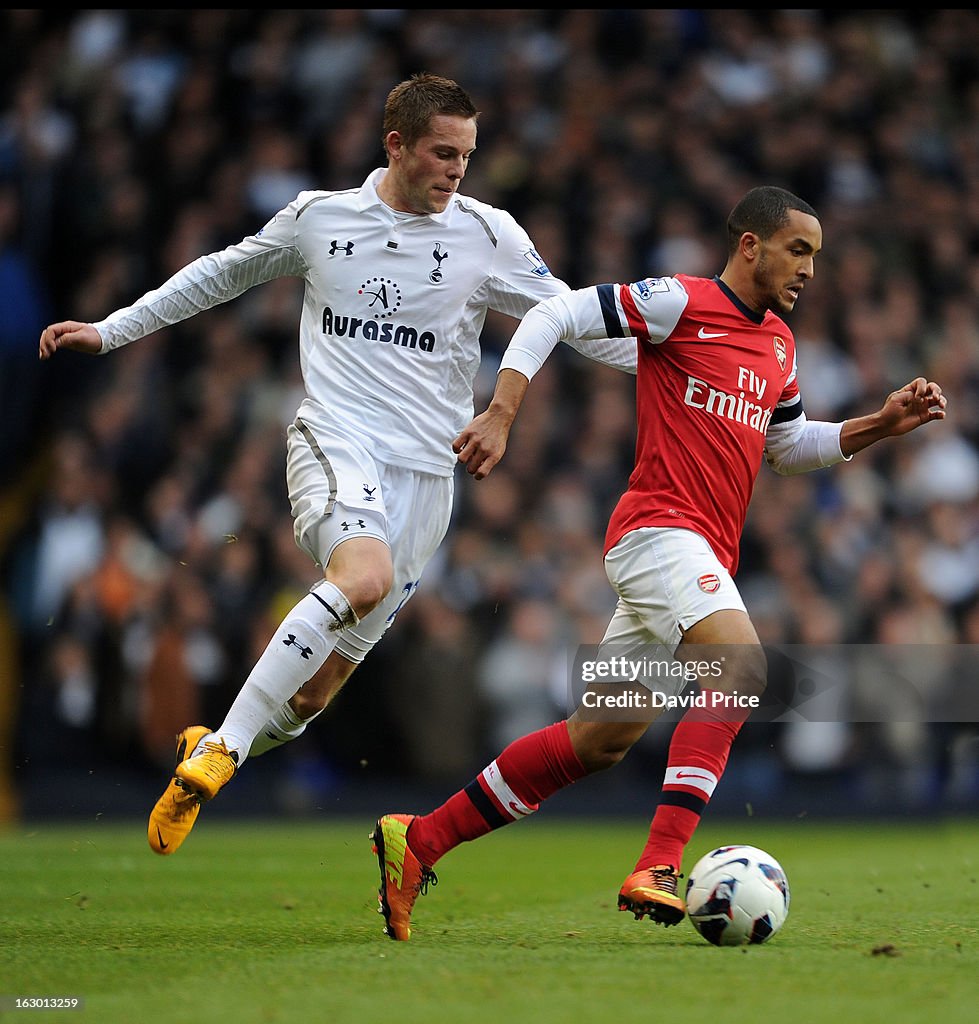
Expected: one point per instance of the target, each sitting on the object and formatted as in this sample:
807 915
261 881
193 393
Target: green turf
276 923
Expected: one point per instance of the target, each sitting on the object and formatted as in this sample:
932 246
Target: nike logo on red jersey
704 335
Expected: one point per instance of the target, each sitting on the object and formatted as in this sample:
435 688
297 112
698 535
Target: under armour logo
335 246
293 642
360 522
436 275
369 493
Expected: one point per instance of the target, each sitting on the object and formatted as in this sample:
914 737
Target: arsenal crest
779 346
709 583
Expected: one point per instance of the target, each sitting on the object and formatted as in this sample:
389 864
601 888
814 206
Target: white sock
283 726
296 652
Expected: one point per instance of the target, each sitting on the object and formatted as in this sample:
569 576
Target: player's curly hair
763 211
413 103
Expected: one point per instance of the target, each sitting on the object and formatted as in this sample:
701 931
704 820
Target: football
737 896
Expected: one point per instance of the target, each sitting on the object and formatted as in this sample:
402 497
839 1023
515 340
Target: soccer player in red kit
716 394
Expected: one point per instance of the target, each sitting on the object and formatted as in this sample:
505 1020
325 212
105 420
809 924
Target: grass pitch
276 922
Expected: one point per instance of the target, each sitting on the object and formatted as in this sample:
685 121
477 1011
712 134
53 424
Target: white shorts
667 579
338 492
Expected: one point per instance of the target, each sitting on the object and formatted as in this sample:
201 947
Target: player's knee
371 593
601 747
604 757
367 590
363 572
756 672
749 673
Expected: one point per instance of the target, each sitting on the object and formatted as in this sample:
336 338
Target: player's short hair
413 103
763 211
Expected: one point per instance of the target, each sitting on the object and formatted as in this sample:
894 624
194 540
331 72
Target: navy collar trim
749 313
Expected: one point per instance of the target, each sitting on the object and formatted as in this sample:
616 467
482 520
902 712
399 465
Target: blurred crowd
145 539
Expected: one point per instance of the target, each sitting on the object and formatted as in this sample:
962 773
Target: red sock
530 770
698 754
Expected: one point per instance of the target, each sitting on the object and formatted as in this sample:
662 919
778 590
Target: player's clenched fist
69 334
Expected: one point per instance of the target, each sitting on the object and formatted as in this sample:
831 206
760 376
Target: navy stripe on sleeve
606 299
784 414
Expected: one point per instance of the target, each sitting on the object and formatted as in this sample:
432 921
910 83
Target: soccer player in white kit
716 393
399 275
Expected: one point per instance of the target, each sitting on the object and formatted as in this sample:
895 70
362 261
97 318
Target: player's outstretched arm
918 402
481 445
72 335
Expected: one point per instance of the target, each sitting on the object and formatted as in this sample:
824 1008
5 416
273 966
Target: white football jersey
393 308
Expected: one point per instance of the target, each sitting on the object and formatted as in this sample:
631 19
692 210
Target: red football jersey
708 385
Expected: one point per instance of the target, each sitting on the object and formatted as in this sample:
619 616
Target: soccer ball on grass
737 896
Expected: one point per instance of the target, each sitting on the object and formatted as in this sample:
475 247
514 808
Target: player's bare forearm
70 334
918 402
481 445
